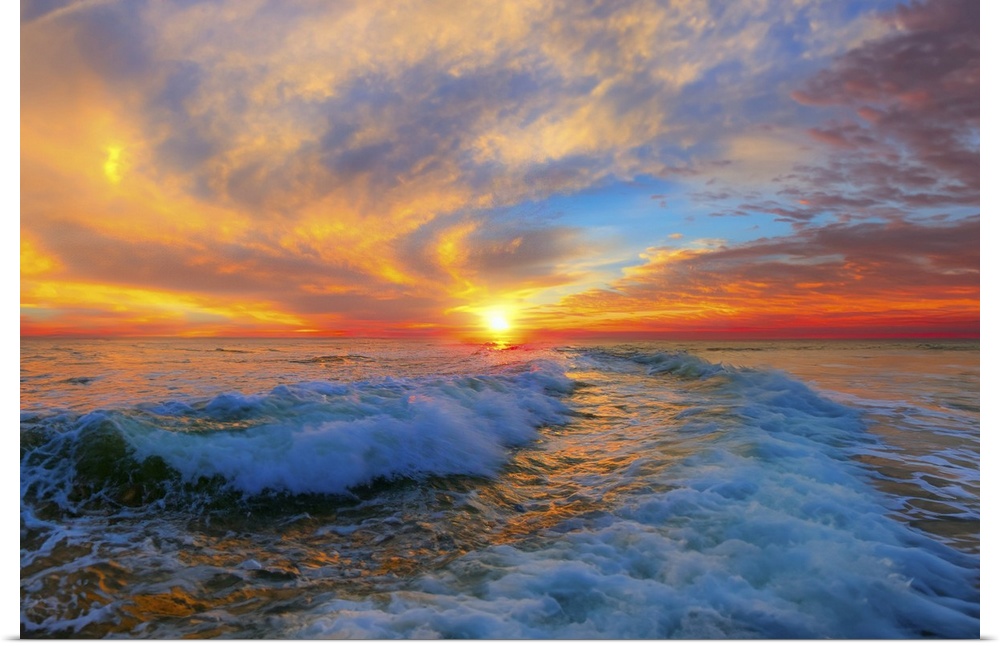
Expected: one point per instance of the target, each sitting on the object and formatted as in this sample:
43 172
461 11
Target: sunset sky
692 169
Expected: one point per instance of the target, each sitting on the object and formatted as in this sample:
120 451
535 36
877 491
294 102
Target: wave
771 529
626 359
739 505
306 438
82 381
953 346
334 358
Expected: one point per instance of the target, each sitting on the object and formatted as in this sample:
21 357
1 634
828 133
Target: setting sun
497 322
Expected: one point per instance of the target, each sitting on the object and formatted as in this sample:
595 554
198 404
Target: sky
561 169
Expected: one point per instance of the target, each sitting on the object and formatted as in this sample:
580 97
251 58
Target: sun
497 322
500 323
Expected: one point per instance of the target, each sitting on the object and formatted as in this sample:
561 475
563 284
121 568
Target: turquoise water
379 489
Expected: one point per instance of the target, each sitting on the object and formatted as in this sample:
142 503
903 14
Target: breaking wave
306 438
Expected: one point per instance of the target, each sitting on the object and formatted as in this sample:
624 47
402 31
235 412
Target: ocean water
381 489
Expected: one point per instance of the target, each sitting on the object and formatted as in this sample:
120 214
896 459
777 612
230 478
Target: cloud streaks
386 168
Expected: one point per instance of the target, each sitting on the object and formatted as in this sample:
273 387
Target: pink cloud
917 87
828 276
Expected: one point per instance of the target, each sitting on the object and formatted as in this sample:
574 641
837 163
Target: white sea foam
769 531
326 437
724 502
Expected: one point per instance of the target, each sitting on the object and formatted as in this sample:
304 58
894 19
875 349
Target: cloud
366 161
272 108
915 98
35 9
840 275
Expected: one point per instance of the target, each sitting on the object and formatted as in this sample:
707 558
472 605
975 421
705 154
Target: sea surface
377 489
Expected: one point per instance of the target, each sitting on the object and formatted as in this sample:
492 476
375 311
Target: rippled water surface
275 488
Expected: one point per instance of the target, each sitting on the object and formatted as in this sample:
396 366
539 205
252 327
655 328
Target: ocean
274 488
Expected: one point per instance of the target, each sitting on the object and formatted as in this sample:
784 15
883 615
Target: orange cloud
100 308
856 280
357 167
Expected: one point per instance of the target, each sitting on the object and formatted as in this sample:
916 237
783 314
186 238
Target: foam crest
680 364
304 438
771 530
